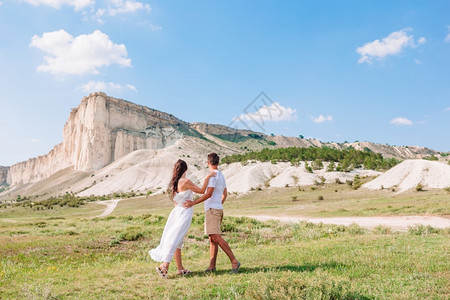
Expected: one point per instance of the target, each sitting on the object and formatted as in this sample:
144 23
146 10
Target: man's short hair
213 159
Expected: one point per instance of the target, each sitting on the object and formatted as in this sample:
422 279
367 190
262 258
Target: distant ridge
103 129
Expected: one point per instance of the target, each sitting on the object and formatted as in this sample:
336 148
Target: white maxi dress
175 230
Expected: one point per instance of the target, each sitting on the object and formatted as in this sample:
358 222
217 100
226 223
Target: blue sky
334 70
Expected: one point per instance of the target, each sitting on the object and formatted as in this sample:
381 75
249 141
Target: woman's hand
211 174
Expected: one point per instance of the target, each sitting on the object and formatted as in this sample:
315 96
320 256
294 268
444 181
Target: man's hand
188 204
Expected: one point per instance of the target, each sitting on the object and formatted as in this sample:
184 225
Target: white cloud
155 27
77 4
390 45
101 86
126 6
34 140
100 12
417 61
79 55
447 38
274 112
401 121
447 109
321 118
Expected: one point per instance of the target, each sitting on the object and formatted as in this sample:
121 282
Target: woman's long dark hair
178 170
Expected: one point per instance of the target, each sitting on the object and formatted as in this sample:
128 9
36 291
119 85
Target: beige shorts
213 221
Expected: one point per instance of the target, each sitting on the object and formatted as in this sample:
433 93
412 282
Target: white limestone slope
148 169
408 174
242 178
151 169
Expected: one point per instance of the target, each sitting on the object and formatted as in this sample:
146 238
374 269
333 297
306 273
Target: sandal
161 273
236 270
210 270
183 272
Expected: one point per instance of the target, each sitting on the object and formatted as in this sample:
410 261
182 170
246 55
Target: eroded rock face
99 131
4 176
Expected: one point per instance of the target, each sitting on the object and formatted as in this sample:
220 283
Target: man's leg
213 248
218 240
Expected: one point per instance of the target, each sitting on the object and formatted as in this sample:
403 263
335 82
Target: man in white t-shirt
215 196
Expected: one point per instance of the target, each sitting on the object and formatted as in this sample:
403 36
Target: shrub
356 183
114 242
317 164
130 234
355 229
419 187
320 198
423 230
229 227
331 167
154 220
380 229
431 157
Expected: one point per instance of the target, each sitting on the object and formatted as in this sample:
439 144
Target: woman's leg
178 259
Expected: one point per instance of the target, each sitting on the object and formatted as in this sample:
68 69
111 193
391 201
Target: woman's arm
190 185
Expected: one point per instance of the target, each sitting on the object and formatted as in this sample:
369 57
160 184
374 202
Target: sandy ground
400 223
110 206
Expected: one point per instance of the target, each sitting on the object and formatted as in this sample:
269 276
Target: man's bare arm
206 196
224 195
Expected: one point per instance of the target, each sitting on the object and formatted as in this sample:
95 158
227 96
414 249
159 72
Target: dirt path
110 206
394 222
9 220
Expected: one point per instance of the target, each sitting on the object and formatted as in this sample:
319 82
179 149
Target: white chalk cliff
99 131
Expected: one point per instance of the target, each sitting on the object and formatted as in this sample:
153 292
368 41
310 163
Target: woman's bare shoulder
183 182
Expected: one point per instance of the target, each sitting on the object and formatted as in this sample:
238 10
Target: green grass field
67 253
339 200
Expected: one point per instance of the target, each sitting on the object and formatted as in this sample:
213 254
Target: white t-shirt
219 184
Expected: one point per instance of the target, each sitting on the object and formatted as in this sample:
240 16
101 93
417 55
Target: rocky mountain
103 129
4 176
99 131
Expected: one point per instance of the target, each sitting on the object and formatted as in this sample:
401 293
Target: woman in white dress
181 190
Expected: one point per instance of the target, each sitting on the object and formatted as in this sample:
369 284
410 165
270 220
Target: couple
181 191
